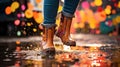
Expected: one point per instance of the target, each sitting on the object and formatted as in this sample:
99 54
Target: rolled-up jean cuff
49 25
68 14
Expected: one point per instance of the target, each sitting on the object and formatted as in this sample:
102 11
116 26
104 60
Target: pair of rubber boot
63 32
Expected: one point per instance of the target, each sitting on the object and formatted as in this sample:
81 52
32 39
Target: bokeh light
30 6
18 42
17 22
85 5
28 13
38 17
34 30
107 11
23 7
8 10
14 6
18 33
27 17
98 2
38 1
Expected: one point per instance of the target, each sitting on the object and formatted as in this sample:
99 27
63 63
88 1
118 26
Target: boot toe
70 43
48 53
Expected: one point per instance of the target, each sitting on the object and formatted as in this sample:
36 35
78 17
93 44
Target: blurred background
95 28
22 17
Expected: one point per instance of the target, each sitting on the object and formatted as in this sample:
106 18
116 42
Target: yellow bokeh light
114 21
28 24
83 16
76 25
81 25
98 2
119 4
38 17
28 13
41 33
92 23
34 30
117 19
38 20
107 11
14 6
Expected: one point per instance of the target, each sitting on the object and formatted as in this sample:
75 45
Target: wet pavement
91 51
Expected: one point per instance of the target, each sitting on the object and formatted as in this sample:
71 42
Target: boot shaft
48 50
65 25
63 31
48 32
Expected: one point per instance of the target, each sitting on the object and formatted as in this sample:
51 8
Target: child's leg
66 19
50 8
70 7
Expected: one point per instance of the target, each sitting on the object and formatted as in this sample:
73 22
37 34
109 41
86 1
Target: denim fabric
70 6
50 8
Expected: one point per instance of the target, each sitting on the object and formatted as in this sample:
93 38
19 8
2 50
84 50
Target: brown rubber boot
47 41
63 31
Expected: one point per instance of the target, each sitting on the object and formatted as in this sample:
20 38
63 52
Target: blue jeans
50 8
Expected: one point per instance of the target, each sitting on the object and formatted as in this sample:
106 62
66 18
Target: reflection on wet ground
92 51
